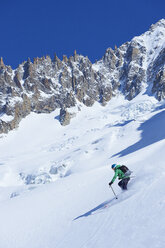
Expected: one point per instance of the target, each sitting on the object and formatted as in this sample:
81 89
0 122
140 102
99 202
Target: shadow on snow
123 124
152 132
99 207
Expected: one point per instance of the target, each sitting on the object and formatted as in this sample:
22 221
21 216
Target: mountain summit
43 85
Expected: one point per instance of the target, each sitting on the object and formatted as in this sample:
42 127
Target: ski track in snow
63 199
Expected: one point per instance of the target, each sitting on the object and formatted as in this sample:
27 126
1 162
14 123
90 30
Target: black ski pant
123 183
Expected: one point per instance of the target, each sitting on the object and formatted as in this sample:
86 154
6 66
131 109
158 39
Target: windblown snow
54 190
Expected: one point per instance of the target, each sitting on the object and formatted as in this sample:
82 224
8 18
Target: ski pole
113 192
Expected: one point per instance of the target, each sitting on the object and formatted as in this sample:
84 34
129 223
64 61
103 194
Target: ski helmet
113 166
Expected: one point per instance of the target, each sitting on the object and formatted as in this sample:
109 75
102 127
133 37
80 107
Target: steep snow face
153 41
54 180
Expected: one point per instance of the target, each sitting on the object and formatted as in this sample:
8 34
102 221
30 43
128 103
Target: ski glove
110 183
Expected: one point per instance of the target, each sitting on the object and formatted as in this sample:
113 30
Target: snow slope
54 179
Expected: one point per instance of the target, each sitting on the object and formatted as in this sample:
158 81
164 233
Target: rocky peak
159 24
43 85
2 63
28 69
65 59
75 55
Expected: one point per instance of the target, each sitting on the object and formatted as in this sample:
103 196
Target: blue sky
36 28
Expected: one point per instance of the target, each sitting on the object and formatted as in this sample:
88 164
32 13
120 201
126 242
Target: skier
123 173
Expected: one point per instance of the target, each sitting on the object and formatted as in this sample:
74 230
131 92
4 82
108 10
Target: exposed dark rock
1 63
65 117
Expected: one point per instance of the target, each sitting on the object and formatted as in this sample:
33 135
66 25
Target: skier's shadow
99 207
121 197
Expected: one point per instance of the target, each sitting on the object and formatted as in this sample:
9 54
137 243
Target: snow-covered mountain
54 179
44 85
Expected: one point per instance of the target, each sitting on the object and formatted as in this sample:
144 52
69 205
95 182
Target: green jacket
118 173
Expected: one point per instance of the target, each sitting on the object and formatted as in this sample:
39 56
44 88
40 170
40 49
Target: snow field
68 209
